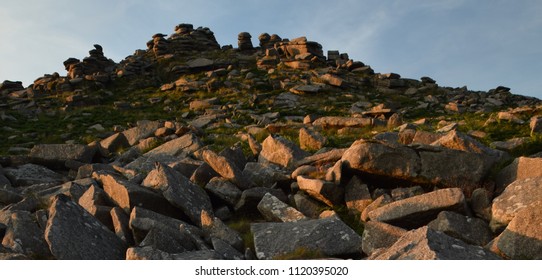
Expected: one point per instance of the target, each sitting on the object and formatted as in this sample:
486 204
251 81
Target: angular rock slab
226 168
23 235
330 236
419 210
280 151
518 195
471 230
427 244
179 191
32 174
521 168
274 210
377 235
57 154
73 234
522 238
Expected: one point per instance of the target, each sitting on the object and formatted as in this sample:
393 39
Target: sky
480 44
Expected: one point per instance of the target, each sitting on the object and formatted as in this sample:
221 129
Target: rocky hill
192 150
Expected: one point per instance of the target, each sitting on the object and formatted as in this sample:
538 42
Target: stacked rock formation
244 41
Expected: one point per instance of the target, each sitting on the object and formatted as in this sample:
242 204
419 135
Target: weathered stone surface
378 202
167 240
324 191
518 195
536 125
114 143
307 205
143 220
427 244
274 210
227 169
250 198
225 250
174 149
471 230
264 175
179 191
121 221
213 227
381 159
55 155
32 174
311 139
357 196
330 236
127 195
73 234
377 235
24 236
9 196
402 193
418 210
95 201
280 151
338 122
224 189
522 238
143 130
520 168
480 202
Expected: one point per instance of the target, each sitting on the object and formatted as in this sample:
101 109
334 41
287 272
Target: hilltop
189 149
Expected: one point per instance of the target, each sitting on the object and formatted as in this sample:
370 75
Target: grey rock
322 158
280 151
427 244
23 235
146 253
227 169
402 193
203 174
264 175
179 191
357 196
250 198
213 227
310 139
95 201
143 130
480 202
121 222
471 230
307 205
419 210
31 174
536 125
377 235
8 195
338 122
522 238
274 210
378 202
330 236
224 189
73 234
518 195
127 195
520 168
167 240
226 251
55 155
326 192
114 143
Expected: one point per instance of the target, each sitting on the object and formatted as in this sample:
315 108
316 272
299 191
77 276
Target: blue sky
481 44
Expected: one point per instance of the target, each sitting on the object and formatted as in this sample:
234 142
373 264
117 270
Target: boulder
224 189
95 201
311 140
377 235
114 143
518 195
121 227
339 122
427 244
378 202
227 169
536 125
264 175
73 234
402 193
32 174
167 240
214 228
274 210
309 207
329 236
143 130
250 198
471 230
179 191
280 151
9 196
419 210
326 192
520 168
127 195
381 159
522 238
23 235
55 155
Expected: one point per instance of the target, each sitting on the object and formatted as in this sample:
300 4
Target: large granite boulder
73 234
427 244
330 236
280 151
